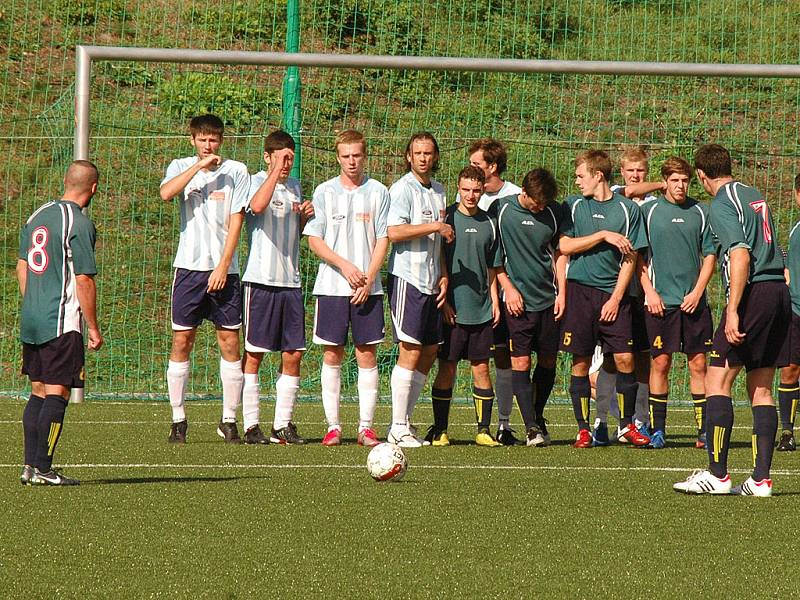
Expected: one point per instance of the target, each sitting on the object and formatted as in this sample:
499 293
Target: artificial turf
209 520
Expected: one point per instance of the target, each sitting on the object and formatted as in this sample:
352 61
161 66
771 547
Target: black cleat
254 435
51 477
177 433
786 443
506 437
286 436
229 432
26 475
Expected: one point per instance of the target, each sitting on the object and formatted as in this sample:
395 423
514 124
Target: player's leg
441 397
697 386
788 399
697 335
31 366
331 325
503 369
368 331
605 382
178 380
521 331
580 392
765 427
251 405
659 395
483 398
226 314
287 387
259 314
641 358
544 376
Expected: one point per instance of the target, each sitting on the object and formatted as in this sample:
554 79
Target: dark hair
494 152
81 175
797 183
427 137
206 124
472 172
676 164
713 160
278 140
595 160
540 184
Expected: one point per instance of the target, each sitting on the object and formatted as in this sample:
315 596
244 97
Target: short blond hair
350 136
632 155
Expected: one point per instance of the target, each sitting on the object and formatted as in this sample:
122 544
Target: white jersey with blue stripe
417 261
207 202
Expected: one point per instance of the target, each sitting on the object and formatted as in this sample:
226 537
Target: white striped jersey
417 261
274 235
57 243
208 201
350 222
488 198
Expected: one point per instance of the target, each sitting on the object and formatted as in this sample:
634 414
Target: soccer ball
387 462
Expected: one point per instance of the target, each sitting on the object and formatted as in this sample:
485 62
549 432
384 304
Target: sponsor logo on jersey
597 216
218 196
678 220
363 217
470 230
277 203
531 223
338 218
427 213
713 354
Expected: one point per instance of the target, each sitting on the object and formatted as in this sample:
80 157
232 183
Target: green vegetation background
139 115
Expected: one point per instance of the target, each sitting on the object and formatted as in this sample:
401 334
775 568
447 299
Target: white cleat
751 487
405 439
703 482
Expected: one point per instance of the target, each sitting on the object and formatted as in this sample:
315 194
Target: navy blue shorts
794 337
501 334
678 331
533 331
274 318
415 317
192 302
582 329
639 324
467 342
334 315
58 361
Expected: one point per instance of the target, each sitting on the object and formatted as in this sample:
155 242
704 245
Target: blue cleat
600 434
657 440
643 429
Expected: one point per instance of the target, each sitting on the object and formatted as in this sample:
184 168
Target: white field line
791 473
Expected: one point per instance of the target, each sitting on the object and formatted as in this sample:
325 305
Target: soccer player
754 328
533 278
471 310
674 277
602 241
417 279
491 157
789 388
348 234
274 315
212 193
55 271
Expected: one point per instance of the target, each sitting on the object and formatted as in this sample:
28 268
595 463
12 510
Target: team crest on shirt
217 196
338 218
363 217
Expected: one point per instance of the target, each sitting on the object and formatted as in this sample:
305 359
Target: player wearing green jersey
754 328
55 271
471 310
674 277
602 240
789 388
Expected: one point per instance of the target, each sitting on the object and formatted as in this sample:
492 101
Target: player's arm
220 273
692 300
172 187
444 280
349 271
639 190
373 271
652 299
575 245
86 290
494 296
406 232
739 270
561 261
263 196
22 275
611 307
511 296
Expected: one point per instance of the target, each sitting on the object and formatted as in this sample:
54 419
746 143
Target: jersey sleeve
495 255
316 224
567 225
241 190
637 233
706 239
255 183
399 205
381 218
24 236
174 169
81 243
726 227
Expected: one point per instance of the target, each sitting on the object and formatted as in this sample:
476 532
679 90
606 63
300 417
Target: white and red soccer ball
387 462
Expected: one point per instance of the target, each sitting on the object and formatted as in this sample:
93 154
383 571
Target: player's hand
355 277
560 306
306 209
448 314
361 294
610 310
690 302
732 333
283 158
441 297
447 232
495 315
212 161
619 241
95 339
217 279
513 299
654 304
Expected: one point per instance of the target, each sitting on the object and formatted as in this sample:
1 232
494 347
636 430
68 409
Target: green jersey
528 241
793 264
599 266
469 257
740 218
57 243
679 237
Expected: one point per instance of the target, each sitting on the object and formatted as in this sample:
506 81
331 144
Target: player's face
587 182
797 197
677 187
470 191
284 174
531 203
633 172
476 160
351 159
206 144
422 156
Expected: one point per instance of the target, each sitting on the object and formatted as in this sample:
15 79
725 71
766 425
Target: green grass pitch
151 520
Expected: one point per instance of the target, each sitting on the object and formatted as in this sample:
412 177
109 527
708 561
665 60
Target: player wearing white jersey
273 301
348 234
211 193
417 279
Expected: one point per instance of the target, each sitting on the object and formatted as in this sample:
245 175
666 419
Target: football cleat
703 482
229 432
786 443
642 428
700 442
254 435
435 437
333 437
619 437
505 436
633 436
177 432
286 436
367 437
51 477
751 487
535 437
600 434
542 423
484 438
583 439
657 440
26 475
403 437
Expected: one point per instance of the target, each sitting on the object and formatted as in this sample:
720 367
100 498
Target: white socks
232 381
250 403
331 383
177 378
367 396
503 395
402 381
418 380
286 388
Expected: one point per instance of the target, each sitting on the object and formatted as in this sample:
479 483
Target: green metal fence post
292 113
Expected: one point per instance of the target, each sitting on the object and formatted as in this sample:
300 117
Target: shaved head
81 176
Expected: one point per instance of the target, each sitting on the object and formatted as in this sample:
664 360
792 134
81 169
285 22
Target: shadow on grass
145 480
